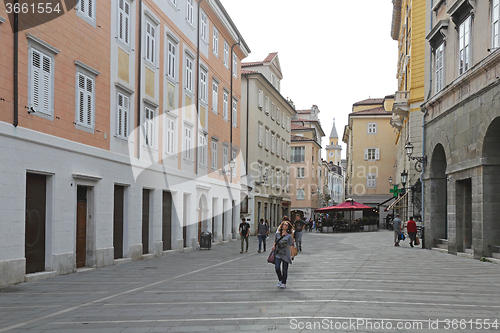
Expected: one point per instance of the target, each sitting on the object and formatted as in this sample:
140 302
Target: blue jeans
298 239
262 239
277 266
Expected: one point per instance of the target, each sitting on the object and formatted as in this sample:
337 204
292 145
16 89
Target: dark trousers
244 239
262 239
282 275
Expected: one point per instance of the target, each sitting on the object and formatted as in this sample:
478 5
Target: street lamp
404 178
421 160
390 180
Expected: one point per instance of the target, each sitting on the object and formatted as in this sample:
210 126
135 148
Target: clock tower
333 149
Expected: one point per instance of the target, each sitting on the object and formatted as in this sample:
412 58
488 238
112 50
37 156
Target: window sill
85 128
124 46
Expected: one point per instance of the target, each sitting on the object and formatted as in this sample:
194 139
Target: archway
439 194
491 189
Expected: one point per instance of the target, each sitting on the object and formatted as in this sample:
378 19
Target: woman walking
282 247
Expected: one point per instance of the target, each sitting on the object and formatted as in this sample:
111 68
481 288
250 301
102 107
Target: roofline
241 40
273 87
314 121
308 140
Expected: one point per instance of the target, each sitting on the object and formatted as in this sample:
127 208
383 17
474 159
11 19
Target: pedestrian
311 223
282 247
396 225
262 232
244 232
411 228
299 226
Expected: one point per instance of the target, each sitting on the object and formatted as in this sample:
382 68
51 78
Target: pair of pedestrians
262 232
411 227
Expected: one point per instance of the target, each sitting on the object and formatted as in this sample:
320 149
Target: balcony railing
401 106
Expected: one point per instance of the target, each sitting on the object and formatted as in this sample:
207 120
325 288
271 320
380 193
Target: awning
398 200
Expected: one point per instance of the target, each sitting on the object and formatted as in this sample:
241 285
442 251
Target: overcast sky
333 53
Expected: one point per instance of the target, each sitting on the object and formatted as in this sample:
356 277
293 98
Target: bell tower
333 149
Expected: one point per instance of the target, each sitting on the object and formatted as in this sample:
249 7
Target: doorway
145 220
167 212
464 214
81 226
119 196
35 223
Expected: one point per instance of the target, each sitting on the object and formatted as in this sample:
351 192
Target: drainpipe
248 119
230 106
16 69
139 80
197 91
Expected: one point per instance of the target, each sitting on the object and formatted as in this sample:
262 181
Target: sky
332 53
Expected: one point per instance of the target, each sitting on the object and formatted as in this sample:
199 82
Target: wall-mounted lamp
421 160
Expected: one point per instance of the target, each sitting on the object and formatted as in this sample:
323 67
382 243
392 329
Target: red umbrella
347 205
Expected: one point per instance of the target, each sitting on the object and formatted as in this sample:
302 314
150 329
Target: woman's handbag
270 259
417 241
295 251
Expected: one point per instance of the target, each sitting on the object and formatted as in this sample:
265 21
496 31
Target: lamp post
404 178
421 160
387 221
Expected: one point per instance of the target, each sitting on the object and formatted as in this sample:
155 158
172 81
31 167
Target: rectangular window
204 26
283 151
288 124
225 106
149 116
226 54
287 152
272 142
273 110
495 14
235 112
261 100
203 86
41 82
463 46
225 157
123 21
189 12
150 42
234 159
235 65
271 178
282 119
171 54
202 149
301 172
215 42
122 117
214 154
87 9
267 139
371 180
188 144
261 135
298 154
372 154
85 108
372 128
277 146
170 136
439 69
189 74
215 95
266 110
300 194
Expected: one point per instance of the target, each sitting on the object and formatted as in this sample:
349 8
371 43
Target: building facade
268 114
124 126
462 122
408 29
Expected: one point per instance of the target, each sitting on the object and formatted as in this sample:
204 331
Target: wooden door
34 246
166 233
81 225
145 221
118 221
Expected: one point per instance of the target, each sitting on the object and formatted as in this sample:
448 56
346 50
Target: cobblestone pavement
356 282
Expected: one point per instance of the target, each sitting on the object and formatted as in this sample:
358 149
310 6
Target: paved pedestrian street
353 282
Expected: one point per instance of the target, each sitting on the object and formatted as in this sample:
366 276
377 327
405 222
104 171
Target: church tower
333 149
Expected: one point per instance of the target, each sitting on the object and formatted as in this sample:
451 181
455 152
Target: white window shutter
366 154
377 154
81 99
126 107
36 68
90 104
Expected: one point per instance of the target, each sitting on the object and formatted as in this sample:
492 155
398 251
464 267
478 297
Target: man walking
411 228
262 231
396 223
299 226
244 231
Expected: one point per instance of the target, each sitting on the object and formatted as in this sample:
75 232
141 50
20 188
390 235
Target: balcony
401 106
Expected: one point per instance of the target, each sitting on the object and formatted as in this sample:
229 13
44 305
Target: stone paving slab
337 279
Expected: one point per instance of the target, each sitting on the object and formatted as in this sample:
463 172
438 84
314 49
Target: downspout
139 80
16 66
197 91
230 106
248 119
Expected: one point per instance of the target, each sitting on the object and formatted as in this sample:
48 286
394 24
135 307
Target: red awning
345 206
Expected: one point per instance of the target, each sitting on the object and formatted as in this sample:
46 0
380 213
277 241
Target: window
372 154
226 54
189 12
150 42
123 21
171 52
202 149
225 106
439 67
273 110
235 112
260 173
204 27
283 151
85 108
215 95
300 194
287 183
266 110
41 82
298 154
188 143
203 86
372 128
495 14
267 138
122 118
235 65
215 42
301 172
189 74
288 123
277 146
278 179
234 159
214 154
287 152
371 180
463 46
272 142
149 116
86 9
266 176
261 135
170 136
282 119
271 178
174 2
225 156
261 99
